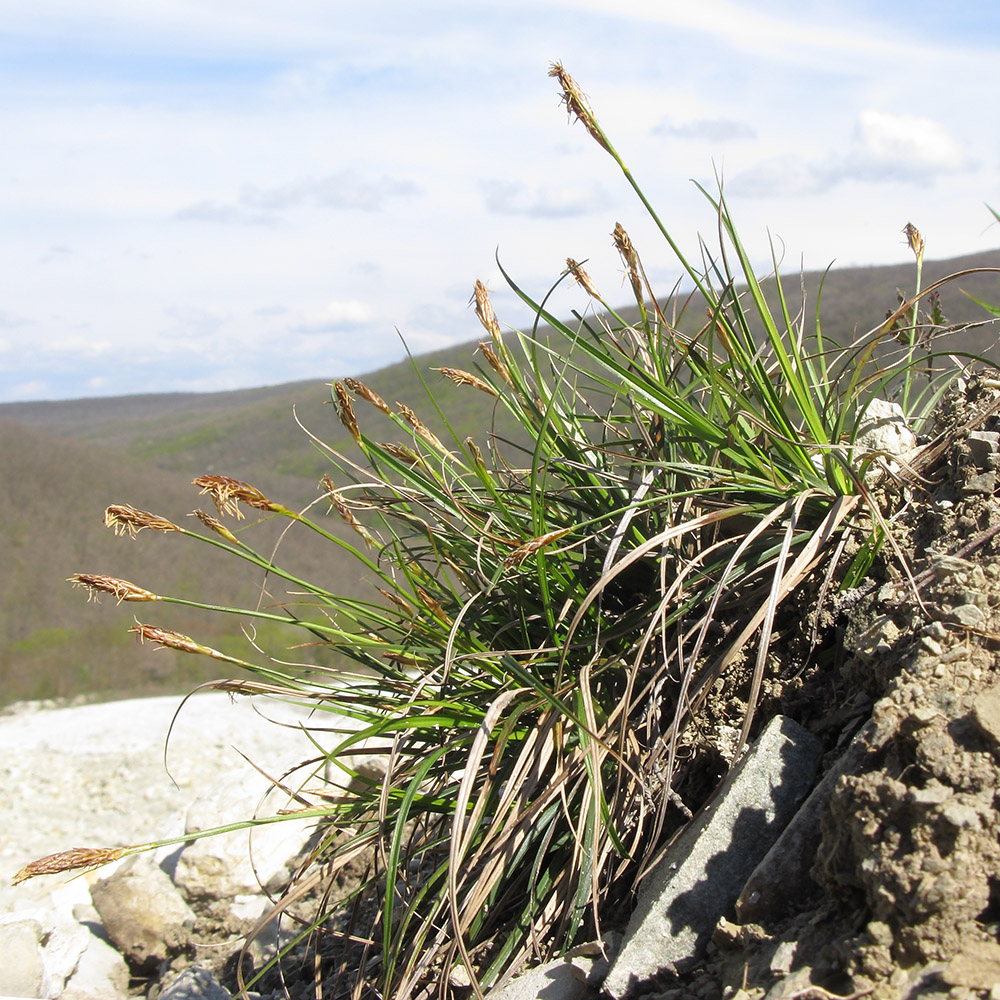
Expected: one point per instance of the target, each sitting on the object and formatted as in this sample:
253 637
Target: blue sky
213 194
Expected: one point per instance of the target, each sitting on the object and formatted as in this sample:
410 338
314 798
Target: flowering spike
122 590
174 640
582 278
217 526
461 377
65 861
577 105
226 493
345 410
421 429
126 519
369 395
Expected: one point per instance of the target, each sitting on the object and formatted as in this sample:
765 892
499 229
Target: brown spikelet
531 547
582 278
217 526
434 606
227 494
174 640
484 310
122 590
624 246
421 429
404 606
369 395
577 105
461 377
345 410
71 860
344 511
914 240
495 363
402 453
126 519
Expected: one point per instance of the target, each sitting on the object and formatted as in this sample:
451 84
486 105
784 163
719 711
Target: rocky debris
195 983
704 870
47 956
883 431
23 971
243 862
54 941
576 976
145 916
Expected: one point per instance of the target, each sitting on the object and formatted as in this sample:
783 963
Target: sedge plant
551 610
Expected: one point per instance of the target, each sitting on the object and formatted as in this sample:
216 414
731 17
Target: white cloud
11 320
884 147
335 316
376 160
902 146
264 205
711 129
544 201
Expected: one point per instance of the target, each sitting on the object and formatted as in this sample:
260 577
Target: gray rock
785 868
982 444
982 485
195 983
986 712
22 970
701 875
144 915
965 614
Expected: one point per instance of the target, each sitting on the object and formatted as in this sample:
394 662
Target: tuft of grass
549 614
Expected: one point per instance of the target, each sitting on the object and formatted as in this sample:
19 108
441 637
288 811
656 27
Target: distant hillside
64 462
53 642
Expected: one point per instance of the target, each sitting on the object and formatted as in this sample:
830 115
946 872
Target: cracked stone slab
700 877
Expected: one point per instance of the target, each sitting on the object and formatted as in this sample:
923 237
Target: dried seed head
121 589
531 547
360 389
484 310
345 410
420 428
402 453
460 377
495 363
582 278
128 520
174 640
66 861
624 246
914 240
217 526
434 606
403 606
577 104
337 499
226 494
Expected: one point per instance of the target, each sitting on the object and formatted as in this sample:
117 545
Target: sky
203 195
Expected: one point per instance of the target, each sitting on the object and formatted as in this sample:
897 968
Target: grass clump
549 614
